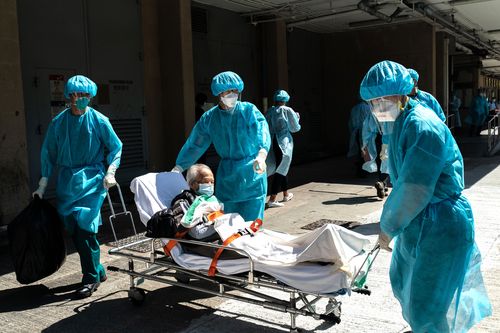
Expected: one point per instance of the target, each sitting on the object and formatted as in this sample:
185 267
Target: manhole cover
322 222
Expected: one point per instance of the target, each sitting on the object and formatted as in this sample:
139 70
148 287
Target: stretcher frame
159 266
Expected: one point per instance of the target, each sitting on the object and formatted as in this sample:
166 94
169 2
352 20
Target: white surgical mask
206 189
385 109
230 100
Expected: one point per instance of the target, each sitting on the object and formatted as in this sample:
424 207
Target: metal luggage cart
249 287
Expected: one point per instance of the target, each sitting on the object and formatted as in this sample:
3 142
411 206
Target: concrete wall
275 58
231 43
169 81
14 190
349 55
306 88
444 43
65 38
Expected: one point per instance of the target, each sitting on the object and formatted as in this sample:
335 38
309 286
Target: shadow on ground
169 309
352 200
34 296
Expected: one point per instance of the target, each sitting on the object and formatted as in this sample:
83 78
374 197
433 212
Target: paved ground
323 190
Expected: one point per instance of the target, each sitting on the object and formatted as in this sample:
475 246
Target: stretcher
300 286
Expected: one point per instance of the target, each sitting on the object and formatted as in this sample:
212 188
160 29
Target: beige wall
168 79
14 191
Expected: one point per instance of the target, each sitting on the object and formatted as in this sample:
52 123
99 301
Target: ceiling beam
453 27
466 2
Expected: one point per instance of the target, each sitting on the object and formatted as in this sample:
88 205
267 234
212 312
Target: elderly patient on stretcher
196 214
191 214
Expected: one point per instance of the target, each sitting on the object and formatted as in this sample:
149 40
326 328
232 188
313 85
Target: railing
493 133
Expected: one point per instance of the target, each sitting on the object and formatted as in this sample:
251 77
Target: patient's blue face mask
206 189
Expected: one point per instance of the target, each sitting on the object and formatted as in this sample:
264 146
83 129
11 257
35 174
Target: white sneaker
272 204
288 197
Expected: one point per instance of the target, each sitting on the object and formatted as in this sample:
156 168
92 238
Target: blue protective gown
455 109
435 269
478 111
282 121
356 120
429 100
237 137
371 128
75 145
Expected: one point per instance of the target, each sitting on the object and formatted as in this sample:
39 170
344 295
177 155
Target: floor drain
322 222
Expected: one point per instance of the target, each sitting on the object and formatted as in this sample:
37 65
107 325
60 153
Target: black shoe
86 290
103 278
380 189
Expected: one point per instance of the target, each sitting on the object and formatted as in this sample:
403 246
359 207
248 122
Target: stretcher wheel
136 296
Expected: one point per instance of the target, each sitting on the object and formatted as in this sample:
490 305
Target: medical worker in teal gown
435 269
372 128
240 135
74 145
282 121
424 97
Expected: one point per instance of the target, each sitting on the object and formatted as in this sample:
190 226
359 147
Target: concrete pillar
168 78
14 188
442 70
275 59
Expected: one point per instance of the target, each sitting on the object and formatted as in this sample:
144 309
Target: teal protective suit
75 145
282 121
455 109
478 111
237 136
358 115
371 128
435 269
431 102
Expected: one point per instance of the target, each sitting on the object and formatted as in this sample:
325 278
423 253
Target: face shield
386 109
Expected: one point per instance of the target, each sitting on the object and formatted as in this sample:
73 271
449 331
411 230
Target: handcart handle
123 212
124 208
373 252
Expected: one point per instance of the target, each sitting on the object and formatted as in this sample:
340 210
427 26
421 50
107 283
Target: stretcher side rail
153 253
299 302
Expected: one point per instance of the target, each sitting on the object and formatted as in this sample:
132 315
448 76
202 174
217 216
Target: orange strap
212 216
213 265
170 245
256 225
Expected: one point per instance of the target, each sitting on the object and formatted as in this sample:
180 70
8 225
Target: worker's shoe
288 197
272 204
87 289
380 189
386 190
103 278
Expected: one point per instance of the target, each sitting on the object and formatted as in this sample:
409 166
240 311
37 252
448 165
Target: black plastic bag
163 224
36 241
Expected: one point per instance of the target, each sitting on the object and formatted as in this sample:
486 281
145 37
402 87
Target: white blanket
297 260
